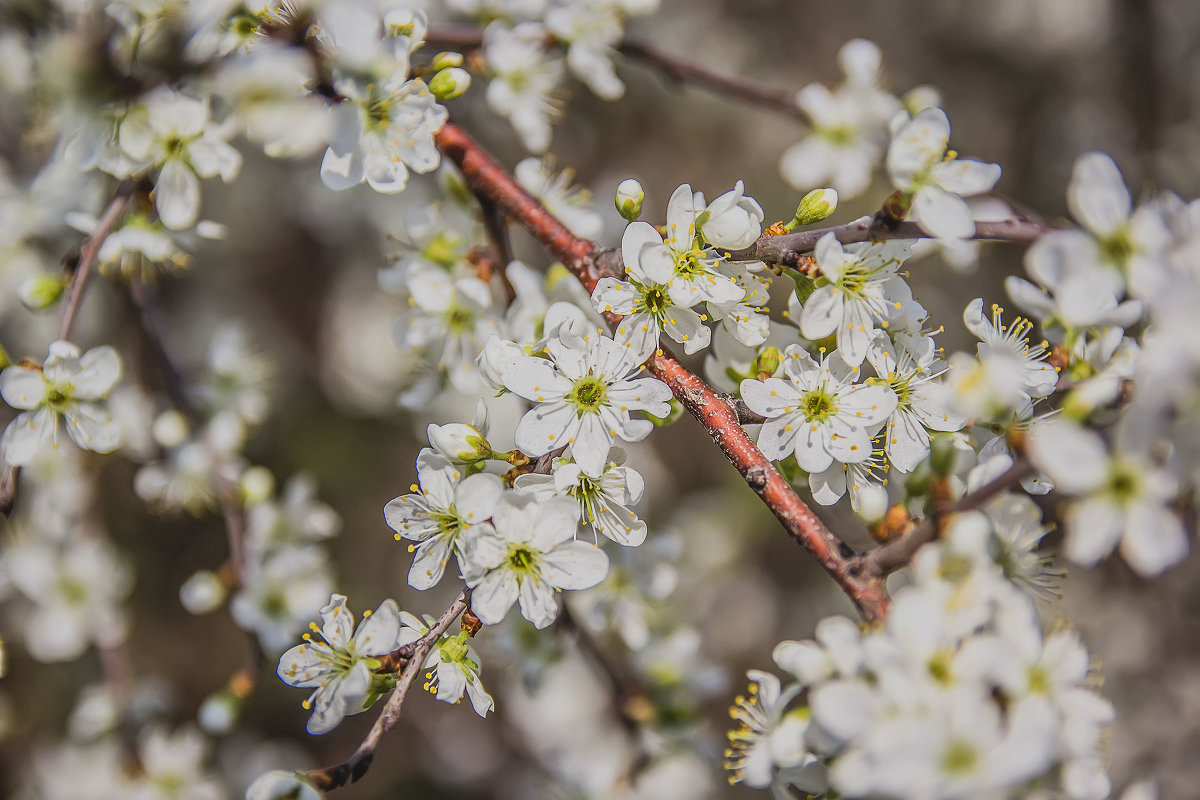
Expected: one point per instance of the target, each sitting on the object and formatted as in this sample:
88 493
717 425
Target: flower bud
629 199
459 442
872 504
445 60
941 456
257 484
202 593
170 429
219 713
39 292
732 221
766 363
816 206
450 83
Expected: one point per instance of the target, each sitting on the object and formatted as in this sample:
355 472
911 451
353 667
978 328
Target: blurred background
1028 84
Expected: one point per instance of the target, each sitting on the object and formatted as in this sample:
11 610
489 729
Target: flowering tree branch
358 764
717 415
898 553
788 249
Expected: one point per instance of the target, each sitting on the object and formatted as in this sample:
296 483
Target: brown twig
672 65
8 491
897 553
357 765
87 256
790 248
715 413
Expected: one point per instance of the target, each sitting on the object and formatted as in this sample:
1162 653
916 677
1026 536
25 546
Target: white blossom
529 554
67 385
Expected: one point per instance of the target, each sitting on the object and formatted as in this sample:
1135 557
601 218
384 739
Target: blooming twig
719 419
790 248
358 764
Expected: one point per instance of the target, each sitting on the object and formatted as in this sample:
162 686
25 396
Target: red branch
718 417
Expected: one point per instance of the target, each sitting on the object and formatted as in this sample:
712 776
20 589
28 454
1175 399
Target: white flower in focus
174 135
439 514
524 80
921 404
568 203
1009 374
68 385
1124 499
603 499
746 319
585 394
338 666
817 411
733 221
864 480
452 663
935 179
861 281
530 555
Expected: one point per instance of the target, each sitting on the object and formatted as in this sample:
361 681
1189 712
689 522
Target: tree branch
87 256
715 413
790 247
896 554
358 764
672 65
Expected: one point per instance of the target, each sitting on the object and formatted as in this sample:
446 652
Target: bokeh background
1030 84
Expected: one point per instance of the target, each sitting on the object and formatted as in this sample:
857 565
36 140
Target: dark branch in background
896 554
672 65
358 764
718 417
495 224
8 491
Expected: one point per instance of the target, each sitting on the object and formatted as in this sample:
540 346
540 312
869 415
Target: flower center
58 398
459 319
818 406
656 301
521 558
1124 484
1117 248
588 394
960 758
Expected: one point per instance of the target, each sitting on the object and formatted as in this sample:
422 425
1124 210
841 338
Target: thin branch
896 554
789 248
358 764
495 224
697 73
715 413
8 491
672 65
87 257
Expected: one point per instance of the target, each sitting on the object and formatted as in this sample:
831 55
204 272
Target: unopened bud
629 199
445 60
170 429
257 485
450 83
816 206
766 363
280 785
39 292
459 442
202 593
941 456
219 713
675 413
